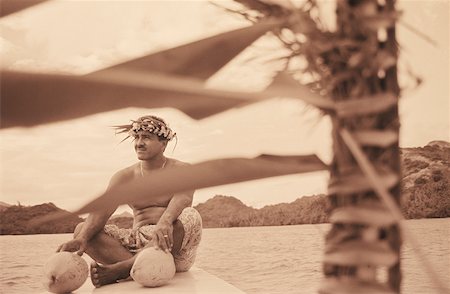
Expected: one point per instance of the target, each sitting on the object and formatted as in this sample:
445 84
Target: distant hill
425 194
123 214
125 222
223 211
305 210
122 220
226 211
14 220
426 180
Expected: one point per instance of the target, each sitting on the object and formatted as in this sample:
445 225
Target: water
257 260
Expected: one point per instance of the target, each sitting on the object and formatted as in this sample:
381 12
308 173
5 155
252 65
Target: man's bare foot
108 273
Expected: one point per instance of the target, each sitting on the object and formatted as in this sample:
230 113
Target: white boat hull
194 281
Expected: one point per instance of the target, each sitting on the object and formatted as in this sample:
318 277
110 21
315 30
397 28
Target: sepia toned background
70 162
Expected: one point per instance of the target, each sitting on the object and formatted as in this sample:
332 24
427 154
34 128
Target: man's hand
78 245
163 235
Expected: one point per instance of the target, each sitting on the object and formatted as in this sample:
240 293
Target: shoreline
243 227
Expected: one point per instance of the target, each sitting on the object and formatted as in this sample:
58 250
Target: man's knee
191 215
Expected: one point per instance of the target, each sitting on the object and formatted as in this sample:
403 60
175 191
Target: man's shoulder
125 173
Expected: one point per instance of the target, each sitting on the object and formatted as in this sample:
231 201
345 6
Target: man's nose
139 142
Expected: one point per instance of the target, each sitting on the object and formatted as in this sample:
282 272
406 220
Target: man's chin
141 156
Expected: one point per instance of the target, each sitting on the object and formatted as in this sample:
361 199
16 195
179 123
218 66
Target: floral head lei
150 124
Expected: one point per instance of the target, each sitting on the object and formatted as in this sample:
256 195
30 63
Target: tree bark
342 267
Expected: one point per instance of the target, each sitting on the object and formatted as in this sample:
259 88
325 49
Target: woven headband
147 124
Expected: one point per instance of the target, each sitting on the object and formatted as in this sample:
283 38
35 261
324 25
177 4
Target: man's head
150 134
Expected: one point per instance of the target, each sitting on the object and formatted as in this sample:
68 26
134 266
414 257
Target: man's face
148 145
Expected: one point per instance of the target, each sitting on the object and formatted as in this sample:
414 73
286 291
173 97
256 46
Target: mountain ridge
425 190
14 220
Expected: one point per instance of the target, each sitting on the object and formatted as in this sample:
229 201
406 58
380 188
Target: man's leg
104 248
116 261
178 236
191 223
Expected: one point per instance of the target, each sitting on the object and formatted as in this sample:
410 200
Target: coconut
153 268
65 272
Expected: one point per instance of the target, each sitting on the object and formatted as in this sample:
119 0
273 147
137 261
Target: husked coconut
153 268
65 272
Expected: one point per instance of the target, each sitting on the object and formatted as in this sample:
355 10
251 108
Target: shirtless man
170 225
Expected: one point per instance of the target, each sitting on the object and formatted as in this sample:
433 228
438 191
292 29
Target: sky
68 163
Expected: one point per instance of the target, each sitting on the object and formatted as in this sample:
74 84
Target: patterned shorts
136 239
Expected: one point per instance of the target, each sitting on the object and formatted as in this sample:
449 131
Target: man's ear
164 144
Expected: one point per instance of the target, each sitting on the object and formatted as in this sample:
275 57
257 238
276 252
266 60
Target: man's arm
94 223
177 203
164 228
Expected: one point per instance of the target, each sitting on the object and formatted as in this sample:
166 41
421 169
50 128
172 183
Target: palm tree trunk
364 239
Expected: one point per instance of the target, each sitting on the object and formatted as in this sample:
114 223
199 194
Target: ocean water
282 259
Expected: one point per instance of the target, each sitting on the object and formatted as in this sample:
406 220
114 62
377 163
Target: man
170 225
